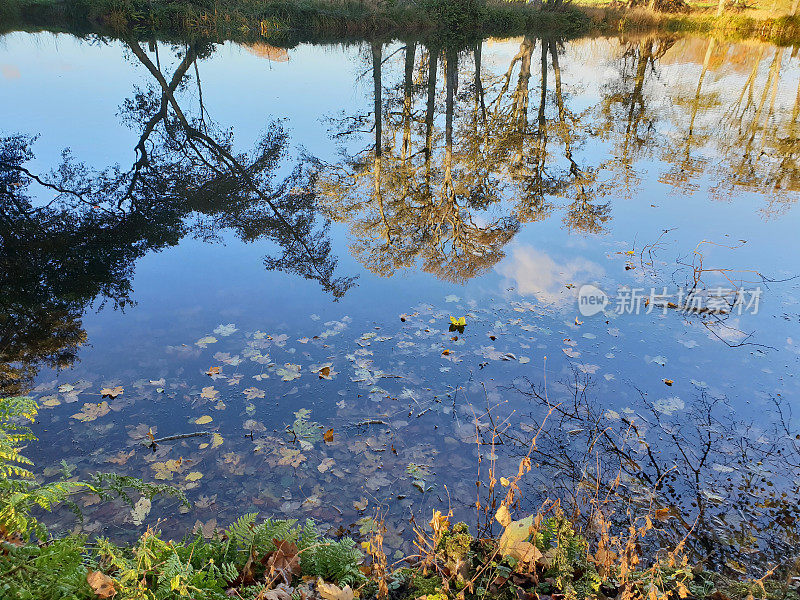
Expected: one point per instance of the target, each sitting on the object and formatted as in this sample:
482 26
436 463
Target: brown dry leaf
120 458
213 371
503 516
330 591
208 529
328 435
291 457
279 593
662 514
284 560
111 392
439 522
324 372
102 585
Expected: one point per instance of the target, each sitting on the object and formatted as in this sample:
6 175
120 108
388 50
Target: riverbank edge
287 22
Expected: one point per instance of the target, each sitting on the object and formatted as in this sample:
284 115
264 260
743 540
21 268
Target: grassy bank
534 559
297 20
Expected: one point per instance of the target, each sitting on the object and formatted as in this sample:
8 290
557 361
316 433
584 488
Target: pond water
260 245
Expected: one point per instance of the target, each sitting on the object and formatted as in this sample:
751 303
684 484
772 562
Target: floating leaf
288 372
216 440
203 420
225 330
252 393
203 342
111 392
140 510
209 393
91 411
328 436
194 476
326 464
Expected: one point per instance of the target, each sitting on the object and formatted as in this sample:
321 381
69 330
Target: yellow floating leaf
51 402
216 440
203 420
194 476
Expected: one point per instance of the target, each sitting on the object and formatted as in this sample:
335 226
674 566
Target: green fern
19 491
334 561
241 532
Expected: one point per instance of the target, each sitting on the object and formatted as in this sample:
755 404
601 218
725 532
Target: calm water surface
263 244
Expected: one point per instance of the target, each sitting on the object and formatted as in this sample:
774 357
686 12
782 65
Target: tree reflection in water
60 256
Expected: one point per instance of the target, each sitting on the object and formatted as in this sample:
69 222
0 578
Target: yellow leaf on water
194 476
216 440
203 420
51 402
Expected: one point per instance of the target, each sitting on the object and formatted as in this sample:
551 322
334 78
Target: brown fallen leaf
283 561
102 585
330 591
328 435
324 372
213 371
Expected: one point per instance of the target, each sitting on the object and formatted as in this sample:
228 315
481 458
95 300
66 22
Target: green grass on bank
300 20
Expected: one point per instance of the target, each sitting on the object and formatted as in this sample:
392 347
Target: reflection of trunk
433 61
720 7
566 133
479 94
696 103
541 129
520 103
794 7
377 88
636 98
411 50
451 82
